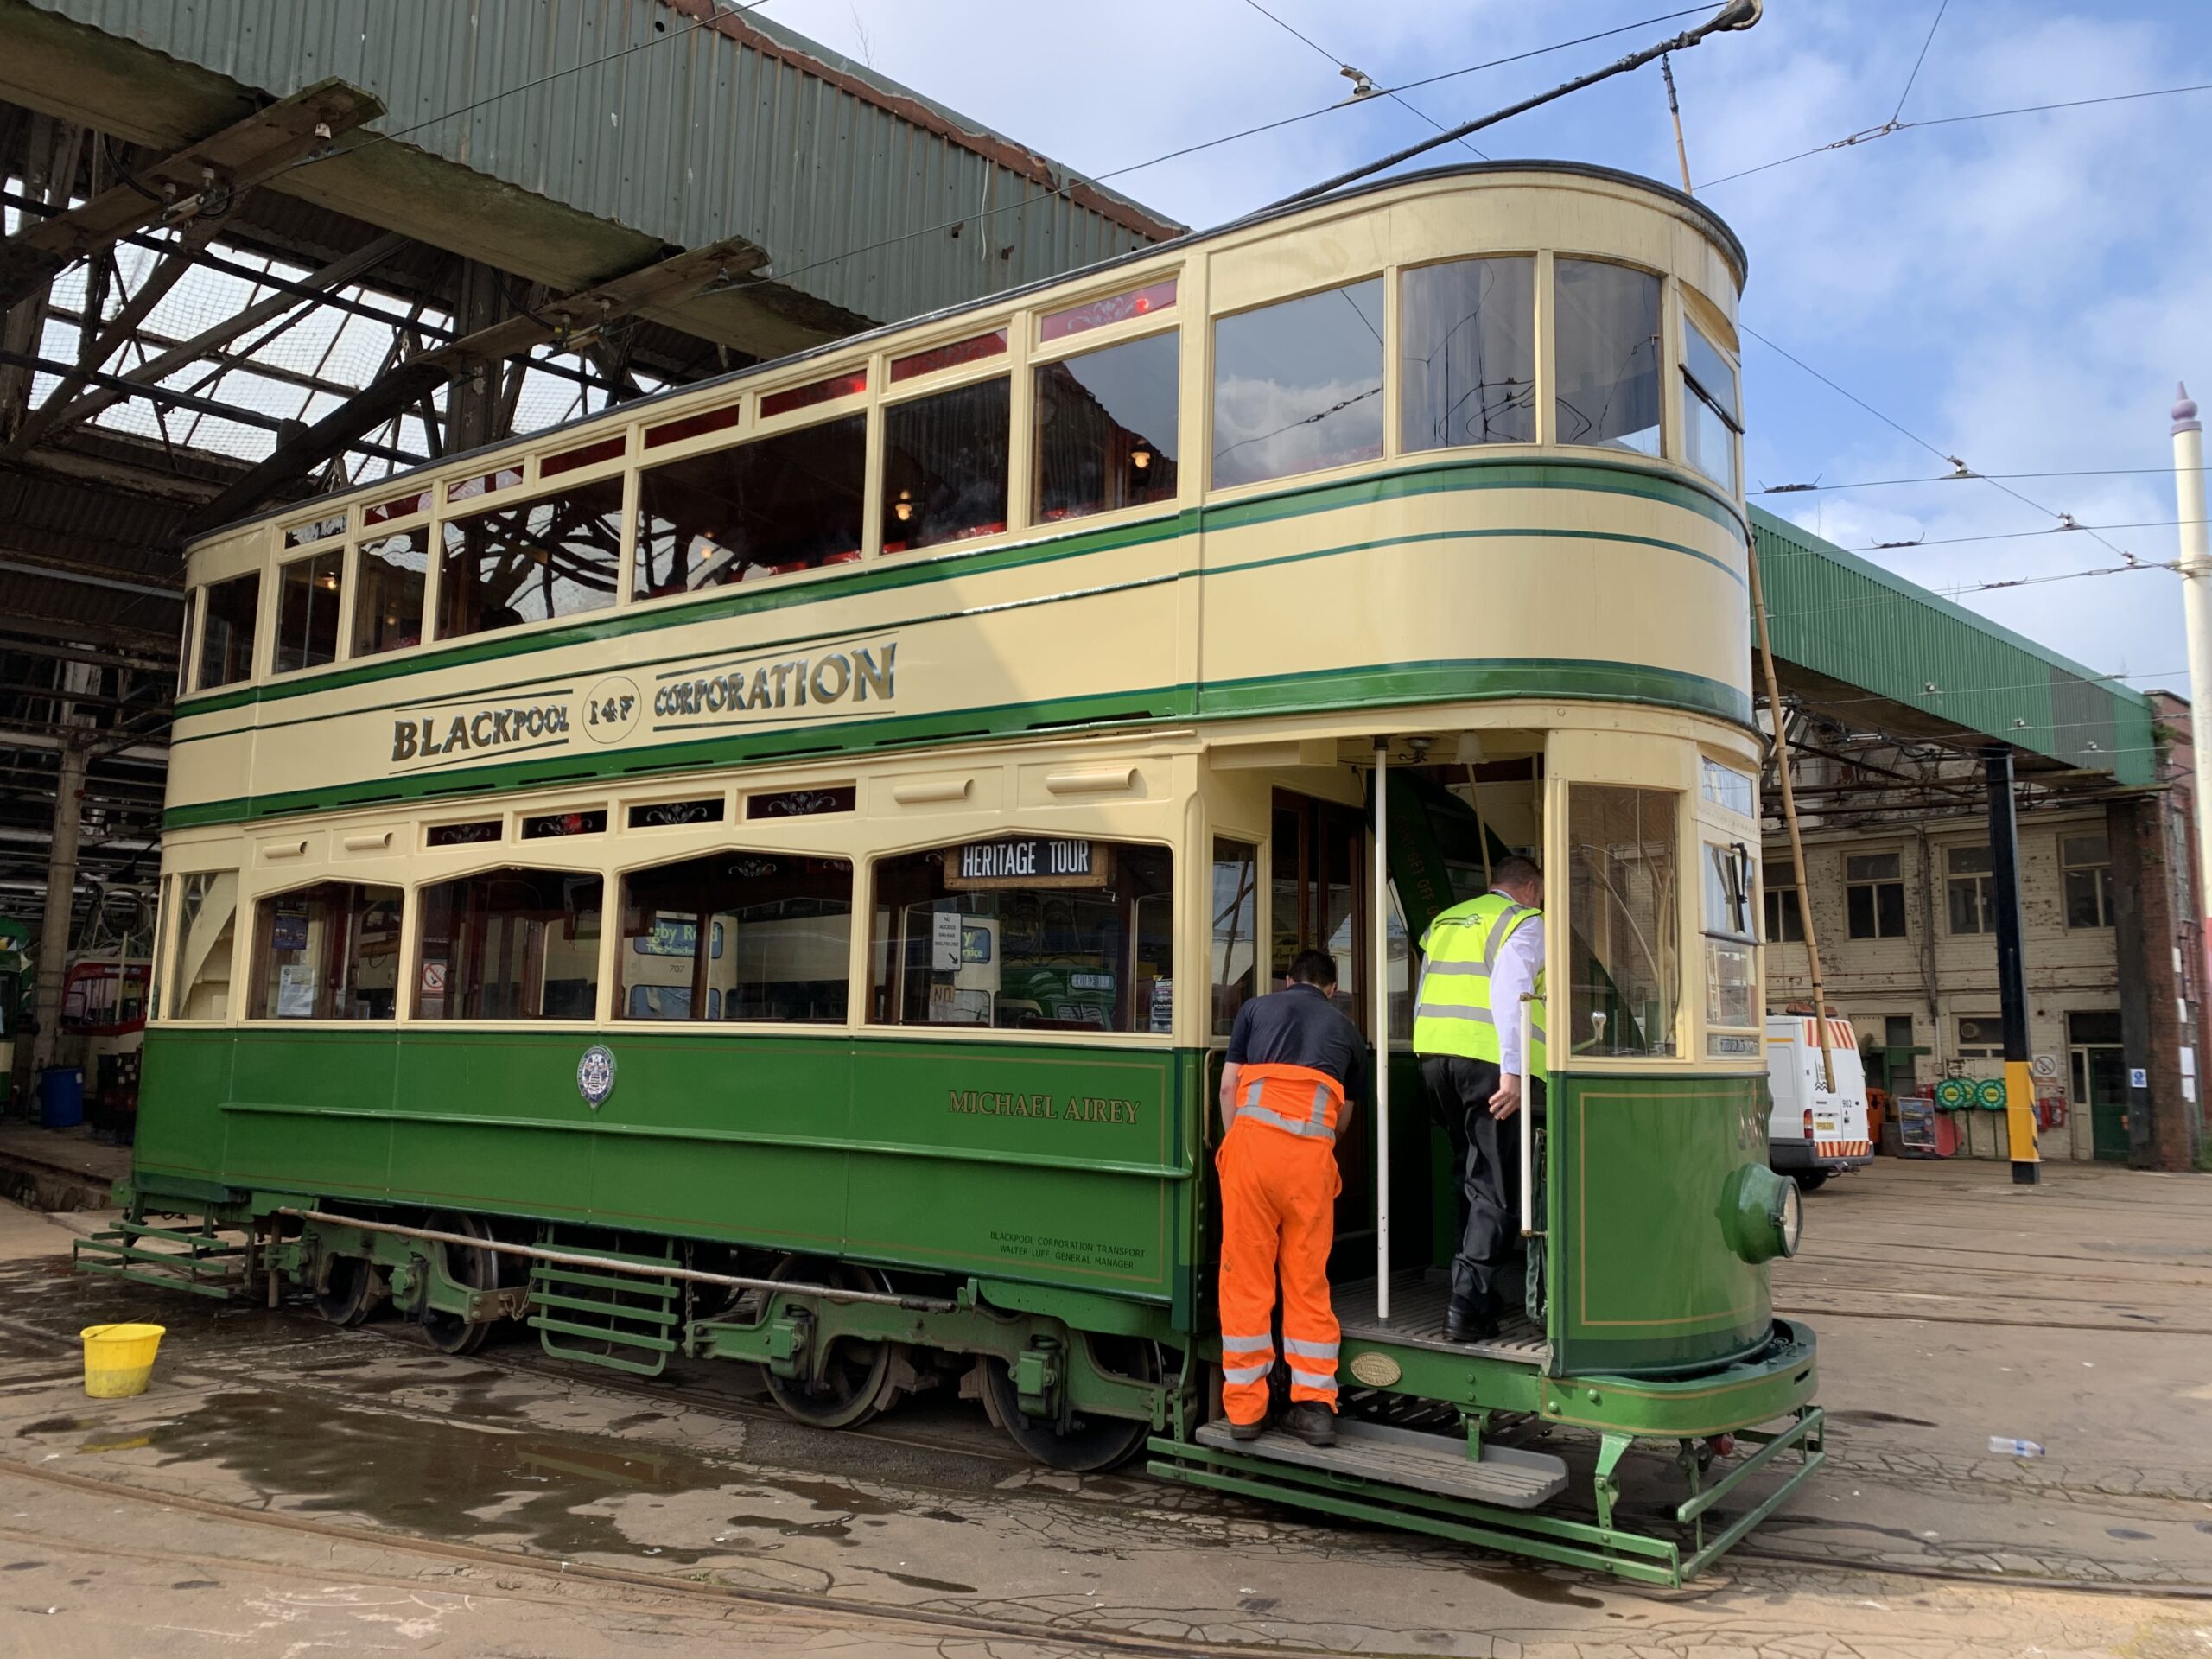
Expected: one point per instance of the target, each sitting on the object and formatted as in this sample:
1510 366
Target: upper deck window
388 577
1467 353
953 356
1106 429
1711 420
1102 314
557 555
791 502
1605 324
944 467
230 609
1298 386
306 610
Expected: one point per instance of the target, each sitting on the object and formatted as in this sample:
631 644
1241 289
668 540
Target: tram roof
1848 628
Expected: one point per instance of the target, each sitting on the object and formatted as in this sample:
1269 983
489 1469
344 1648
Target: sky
2020 293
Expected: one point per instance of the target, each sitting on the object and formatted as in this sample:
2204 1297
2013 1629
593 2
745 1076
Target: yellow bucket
119 1358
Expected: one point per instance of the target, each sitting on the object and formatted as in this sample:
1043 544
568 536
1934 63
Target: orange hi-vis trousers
1279 1186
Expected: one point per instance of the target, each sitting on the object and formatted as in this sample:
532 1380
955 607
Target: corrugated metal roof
689 134
1850 620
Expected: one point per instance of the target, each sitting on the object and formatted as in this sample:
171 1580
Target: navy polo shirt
1298 1025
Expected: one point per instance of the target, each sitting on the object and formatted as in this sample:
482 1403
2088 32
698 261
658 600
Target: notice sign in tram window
1027 862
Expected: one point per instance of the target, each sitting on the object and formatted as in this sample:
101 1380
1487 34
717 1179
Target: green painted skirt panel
1053 1164
1642 1277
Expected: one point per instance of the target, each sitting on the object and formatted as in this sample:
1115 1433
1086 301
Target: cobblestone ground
291 1490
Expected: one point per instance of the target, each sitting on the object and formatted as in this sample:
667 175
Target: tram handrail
1527 1114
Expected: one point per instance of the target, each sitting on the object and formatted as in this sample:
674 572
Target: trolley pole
2011 970
2196 613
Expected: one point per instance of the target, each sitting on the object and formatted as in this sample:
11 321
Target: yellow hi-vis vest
1451 1011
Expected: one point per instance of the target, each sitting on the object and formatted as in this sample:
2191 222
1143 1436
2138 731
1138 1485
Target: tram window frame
1225 348
1562 334
1729 879
1721 404
1659 932
583 893
236 659
302 575
198 894
456 560
902 884
370 619
730 565
334 963
1413 371
1150 473
722 938
1240 859
915 535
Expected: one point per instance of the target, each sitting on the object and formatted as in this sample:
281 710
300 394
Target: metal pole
1382 1022
2197 611
2011 968
54 938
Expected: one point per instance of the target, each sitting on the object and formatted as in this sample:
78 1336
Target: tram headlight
1762 1213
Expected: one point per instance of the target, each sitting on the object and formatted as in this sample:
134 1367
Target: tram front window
1606 322
1297 385
510 945
737 936
1624 899
1026 933
1467 353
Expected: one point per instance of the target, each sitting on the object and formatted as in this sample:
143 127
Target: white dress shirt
1514 978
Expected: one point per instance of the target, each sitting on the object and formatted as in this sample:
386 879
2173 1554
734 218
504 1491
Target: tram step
1510 1478
203 1262
619 1320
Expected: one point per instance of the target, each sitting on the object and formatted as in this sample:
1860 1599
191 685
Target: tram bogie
730 939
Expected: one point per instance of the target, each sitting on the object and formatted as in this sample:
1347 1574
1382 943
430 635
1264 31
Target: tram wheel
355 1289
478 1270
856 1375
1085 1445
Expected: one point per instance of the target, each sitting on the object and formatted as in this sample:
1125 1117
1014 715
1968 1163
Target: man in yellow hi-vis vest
1479 960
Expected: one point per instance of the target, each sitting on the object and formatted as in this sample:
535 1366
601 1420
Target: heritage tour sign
1027 862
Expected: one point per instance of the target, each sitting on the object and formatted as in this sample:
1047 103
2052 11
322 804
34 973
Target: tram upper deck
1464 436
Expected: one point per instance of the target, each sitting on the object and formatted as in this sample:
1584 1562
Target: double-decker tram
767 873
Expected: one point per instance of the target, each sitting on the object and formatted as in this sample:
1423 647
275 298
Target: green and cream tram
767 873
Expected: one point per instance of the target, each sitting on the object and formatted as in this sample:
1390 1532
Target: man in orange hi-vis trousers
1295 1065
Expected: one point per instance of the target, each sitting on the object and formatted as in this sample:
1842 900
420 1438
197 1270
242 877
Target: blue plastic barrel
61 1098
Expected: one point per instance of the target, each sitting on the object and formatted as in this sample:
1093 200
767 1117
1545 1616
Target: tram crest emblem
595 1075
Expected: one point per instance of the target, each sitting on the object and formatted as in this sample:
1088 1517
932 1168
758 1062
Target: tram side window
388 580
207 908
1732 984
1027 932
1606 320
1236 929
1105 428
557 555
1711 419
1298 386
330 951
306 610
229 613
1623 902
737 936
791 502
510 945
1467 353
944 461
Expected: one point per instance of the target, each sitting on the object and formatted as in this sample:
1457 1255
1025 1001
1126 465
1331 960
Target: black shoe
1469 1325
1247 1431
1316 1425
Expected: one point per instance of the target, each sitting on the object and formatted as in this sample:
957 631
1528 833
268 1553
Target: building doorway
2099 1067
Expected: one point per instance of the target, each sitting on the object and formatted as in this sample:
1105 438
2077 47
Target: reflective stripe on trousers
1278 1204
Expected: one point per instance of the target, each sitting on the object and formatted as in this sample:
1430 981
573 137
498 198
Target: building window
788 503
1711 419
1026 933
1981 1037
327 952
1785 905
554 556
388 596
1624 904
2086 863
229 613
1969 890
738 936
306 610
1298 386
1605 323
1467 353
1873 895
944 467
1106 430
510 945
1236 929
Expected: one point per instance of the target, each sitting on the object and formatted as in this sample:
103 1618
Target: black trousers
1489 1172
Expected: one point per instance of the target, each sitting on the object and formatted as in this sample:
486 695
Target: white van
1812 1134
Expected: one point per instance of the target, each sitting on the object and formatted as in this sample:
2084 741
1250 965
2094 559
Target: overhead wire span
1943 6
2024 535
1968 476
1363 88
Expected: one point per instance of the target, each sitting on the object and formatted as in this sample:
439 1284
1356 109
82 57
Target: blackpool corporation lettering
420 737
856 676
